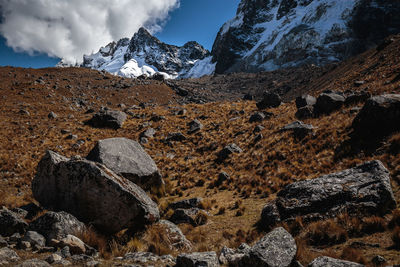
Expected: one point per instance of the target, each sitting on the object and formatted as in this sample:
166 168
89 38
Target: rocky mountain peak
145 54
272 34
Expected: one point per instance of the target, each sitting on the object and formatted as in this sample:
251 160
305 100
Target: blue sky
193 21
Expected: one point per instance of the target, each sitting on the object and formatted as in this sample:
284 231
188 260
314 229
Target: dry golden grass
325 233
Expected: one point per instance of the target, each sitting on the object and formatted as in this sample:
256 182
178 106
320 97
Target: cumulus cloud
70 28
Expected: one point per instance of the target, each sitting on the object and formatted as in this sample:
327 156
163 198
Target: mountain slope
271 34
144 54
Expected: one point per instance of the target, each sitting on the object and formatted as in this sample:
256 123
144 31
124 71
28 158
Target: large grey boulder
128 159
197 259
276 249
380 116
56 225
270 100
92 193
11 223
113 119
364 189
328 102
331 262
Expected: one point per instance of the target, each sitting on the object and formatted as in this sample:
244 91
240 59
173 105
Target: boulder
34 238
3 242
148 259
53 258
328 102
277 248
175 238
113 119
305 100
149 133
227 151
305 112
197 259
128 159
299 129
364 189
186 203
270 100
92 193
232 257
331 262
76 246
185 216
8 255
56 225
11 223
379 117
194 126
257 117
357 97
34 263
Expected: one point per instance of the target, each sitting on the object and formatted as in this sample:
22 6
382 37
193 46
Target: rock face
379 117
128 159
276 249
56 225
197 259
331 262
10 223
113 119
144 54
266 35
93 193
364 190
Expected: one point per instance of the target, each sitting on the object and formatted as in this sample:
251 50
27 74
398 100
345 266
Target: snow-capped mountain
144 54
271 34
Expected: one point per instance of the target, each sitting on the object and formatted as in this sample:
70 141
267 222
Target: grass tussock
325 233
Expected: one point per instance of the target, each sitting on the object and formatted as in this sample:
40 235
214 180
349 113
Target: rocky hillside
267 35
145 55
103 170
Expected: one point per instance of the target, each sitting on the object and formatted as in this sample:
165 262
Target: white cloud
70 28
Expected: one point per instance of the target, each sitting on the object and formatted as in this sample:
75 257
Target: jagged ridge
144 54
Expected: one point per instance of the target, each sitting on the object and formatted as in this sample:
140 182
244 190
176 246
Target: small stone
378 260
53 258
258 129
24 245
257 117
52 115
228 150
194 126
175 137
